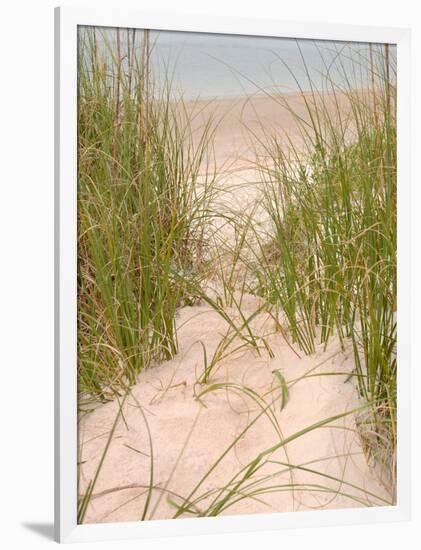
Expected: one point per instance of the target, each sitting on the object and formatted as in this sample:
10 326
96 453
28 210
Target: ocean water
203 65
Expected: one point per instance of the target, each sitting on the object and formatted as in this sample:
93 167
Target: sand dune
190 435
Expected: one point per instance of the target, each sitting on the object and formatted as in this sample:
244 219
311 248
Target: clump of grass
141 211
329 264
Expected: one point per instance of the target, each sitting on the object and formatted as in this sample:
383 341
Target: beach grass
141 212
328 265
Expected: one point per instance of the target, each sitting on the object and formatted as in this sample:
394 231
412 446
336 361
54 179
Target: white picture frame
67 21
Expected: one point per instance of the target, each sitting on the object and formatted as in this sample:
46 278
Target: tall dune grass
329 262
141 211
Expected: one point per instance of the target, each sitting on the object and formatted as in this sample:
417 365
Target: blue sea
214 65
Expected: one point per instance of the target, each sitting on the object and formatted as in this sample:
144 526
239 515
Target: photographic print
236 275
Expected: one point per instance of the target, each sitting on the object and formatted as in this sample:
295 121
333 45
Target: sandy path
190 435
206 428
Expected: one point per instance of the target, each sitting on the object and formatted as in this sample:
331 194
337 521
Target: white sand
166 394
189 436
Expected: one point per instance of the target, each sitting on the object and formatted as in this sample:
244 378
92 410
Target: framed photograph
232 274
